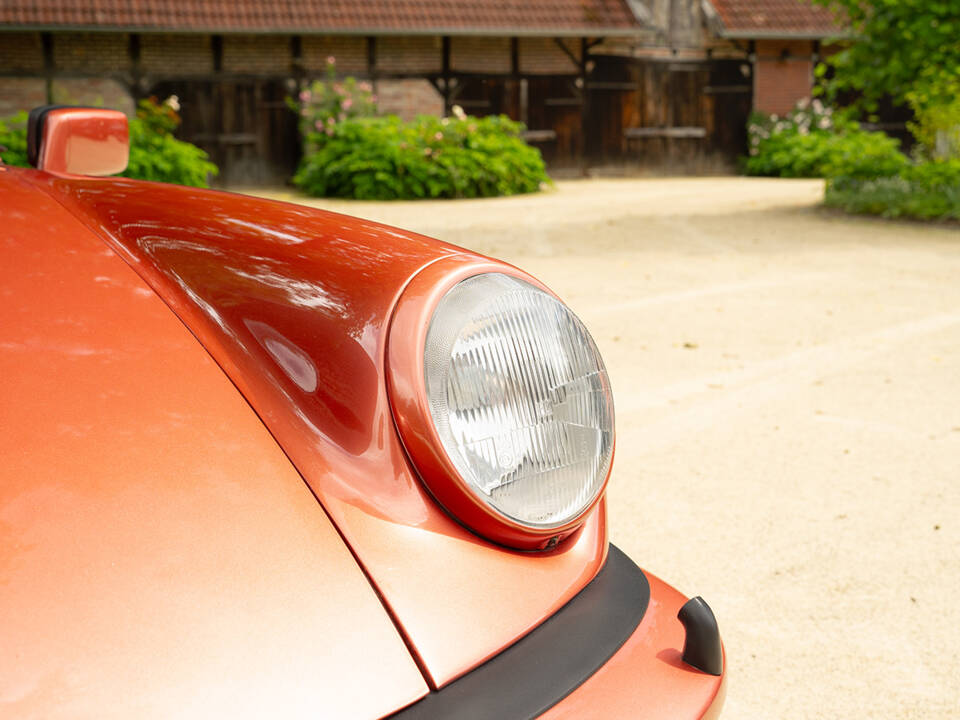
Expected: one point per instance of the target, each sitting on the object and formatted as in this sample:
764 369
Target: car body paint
159 555
293 304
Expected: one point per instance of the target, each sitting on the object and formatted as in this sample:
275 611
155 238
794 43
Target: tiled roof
332 16
770 18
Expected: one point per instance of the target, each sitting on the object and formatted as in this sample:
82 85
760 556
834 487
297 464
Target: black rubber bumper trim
551 661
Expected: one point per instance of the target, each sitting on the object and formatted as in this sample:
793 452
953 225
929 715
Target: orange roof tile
774 18
326 16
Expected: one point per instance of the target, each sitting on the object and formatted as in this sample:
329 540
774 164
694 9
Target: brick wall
782 74
542 56
256 54
412 54
350 54
94 53
480 54
98 92
178 55
18 94
21 52
408 98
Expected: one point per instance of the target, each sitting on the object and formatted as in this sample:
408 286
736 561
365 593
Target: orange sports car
261 460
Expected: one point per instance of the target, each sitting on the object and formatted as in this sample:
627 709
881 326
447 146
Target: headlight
519 410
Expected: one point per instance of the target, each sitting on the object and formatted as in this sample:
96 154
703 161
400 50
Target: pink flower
427 152
331 121
365 86
304 96
318 125
331 60
438 136
347 104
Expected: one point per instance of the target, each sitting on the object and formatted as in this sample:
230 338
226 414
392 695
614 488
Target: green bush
384 158
925 191
811 142
324 103
155 154
13 140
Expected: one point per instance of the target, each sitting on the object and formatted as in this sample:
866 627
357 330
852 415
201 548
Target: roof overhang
778 34
363 32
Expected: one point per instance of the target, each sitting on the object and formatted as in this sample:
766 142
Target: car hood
293 304
159 556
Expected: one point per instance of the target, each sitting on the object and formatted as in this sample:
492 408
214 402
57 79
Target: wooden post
446 74
137 88
48 65
372 60
584 104
296 60
216 47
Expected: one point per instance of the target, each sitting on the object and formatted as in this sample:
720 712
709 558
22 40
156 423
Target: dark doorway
245 126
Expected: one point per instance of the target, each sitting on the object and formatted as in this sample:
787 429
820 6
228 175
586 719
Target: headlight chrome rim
410 404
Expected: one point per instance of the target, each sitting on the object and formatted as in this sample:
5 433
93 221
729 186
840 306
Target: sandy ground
788 415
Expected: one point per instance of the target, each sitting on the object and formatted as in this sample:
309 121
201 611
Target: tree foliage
908 50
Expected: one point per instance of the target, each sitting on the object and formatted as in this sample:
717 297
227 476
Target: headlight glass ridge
520 399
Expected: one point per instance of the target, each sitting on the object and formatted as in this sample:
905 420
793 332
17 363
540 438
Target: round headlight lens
520 399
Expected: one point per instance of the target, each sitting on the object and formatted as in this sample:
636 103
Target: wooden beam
445 44
664 132
48 65
296 58
566 51
216 47
372 57
585 104
136 69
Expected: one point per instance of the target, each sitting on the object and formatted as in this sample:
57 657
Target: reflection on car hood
293 303
159 556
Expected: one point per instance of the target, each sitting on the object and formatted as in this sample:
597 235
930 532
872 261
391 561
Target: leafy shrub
324 103
13 140
385 158
925 191
811 142
155 154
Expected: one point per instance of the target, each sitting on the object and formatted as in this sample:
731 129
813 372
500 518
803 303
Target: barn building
660 85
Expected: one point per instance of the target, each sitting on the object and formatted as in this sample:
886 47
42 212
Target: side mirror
78 140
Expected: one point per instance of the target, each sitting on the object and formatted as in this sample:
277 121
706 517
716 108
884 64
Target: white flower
458 112
174 102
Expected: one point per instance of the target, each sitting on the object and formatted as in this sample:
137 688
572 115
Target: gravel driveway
788 415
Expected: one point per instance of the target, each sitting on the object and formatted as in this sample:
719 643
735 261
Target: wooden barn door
244 124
